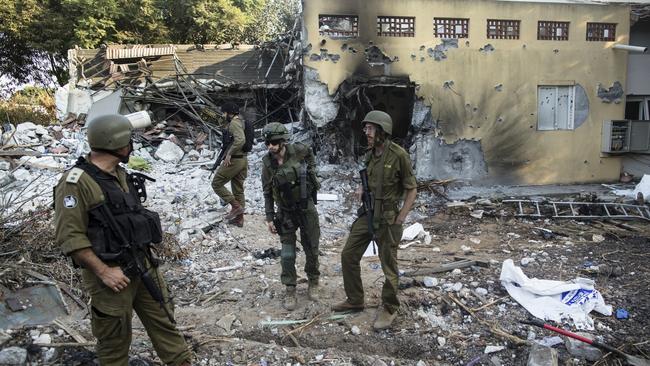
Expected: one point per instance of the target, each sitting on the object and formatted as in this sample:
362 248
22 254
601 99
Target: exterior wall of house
485 91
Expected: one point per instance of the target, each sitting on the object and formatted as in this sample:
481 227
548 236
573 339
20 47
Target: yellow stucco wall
505 122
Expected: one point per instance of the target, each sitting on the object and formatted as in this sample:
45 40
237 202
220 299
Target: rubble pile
226 281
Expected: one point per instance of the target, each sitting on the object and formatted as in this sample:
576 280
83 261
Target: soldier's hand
226 161
271 227
114 278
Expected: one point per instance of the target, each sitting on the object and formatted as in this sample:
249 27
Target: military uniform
289 214
397 178
76 197
237 172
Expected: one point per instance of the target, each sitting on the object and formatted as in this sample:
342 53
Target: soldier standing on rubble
101 223
289 181
234 167
390 179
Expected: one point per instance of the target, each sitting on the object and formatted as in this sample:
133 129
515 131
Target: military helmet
275 131
230 107
109 132
382 119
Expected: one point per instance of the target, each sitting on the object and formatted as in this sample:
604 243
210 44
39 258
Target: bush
31 104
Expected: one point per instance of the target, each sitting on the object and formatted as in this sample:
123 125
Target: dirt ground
229 301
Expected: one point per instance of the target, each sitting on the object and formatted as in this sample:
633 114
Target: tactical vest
141 227
289 173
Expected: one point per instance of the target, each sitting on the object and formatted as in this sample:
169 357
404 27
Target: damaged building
505 92
183 86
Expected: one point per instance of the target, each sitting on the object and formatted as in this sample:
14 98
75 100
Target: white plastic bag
554 300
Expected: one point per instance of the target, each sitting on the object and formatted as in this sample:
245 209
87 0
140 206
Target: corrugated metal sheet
113 53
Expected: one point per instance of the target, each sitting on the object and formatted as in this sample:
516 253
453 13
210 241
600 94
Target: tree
35 35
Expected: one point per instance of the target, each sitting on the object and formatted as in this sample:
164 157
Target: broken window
555 107
338 26
552 31
396 26
637 108
601 31
451 27
503 29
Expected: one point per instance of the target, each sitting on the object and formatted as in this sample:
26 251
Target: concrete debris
169 152
13 356
542 356
581 349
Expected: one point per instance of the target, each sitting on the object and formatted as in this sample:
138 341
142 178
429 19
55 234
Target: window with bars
451 27
601 31
338 26
396 26
503 29
552 31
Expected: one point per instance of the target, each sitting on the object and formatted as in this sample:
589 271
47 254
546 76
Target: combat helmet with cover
275 131
110 132
382 119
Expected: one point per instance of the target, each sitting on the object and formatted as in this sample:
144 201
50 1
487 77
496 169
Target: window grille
553 31
396 26
339 26
503 29
601 31
451 27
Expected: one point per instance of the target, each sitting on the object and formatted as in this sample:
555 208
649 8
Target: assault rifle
133 262
368 199
227 140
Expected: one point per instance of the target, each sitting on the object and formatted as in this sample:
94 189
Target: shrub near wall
31 104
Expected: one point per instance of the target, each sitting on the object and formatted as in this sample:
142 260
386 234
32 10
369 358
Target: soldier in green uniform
234 168
391 180
289 182
91 200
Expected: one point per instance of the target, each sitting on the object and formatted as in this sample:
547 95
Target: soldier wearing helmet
391 180
234 168
84 194
290 184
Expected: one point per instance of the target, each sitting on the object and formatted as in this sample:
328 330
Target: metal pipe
627 47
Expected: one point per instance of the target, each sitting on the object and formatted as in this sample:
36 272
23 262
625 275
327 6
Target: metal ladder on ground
572 210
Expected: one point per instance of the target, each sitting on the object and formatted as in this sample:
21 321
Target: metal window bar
503 29
344 26
601 32
388 26
451 27
552 30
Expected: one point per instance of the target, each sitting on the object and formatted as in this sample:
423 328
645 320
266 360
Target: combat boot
347 306
312 290
384 319
289 302
237 221
235 210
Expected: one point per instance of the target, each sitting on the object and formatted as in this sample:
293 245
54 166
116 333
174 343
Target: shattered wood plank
71 331
462 263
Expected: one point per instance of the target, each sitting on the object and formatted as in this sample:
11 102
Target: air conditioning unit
616 136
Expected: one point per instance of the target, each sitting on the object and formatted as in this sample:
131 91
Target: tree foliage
35 35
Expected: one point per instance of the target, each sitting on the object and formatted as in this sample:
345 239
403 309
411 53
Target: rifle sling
379 183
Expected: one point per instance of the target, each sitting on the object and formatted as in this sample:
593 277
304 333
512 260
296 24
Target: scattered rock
13 356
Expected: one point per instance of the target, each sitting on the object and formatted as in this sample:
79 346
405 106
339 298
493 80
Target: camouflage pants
111 321
236 174
388 237
308 239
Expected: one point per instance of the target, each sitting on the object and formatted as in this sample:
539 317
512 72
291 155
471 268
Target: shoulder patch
74 175
70 201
